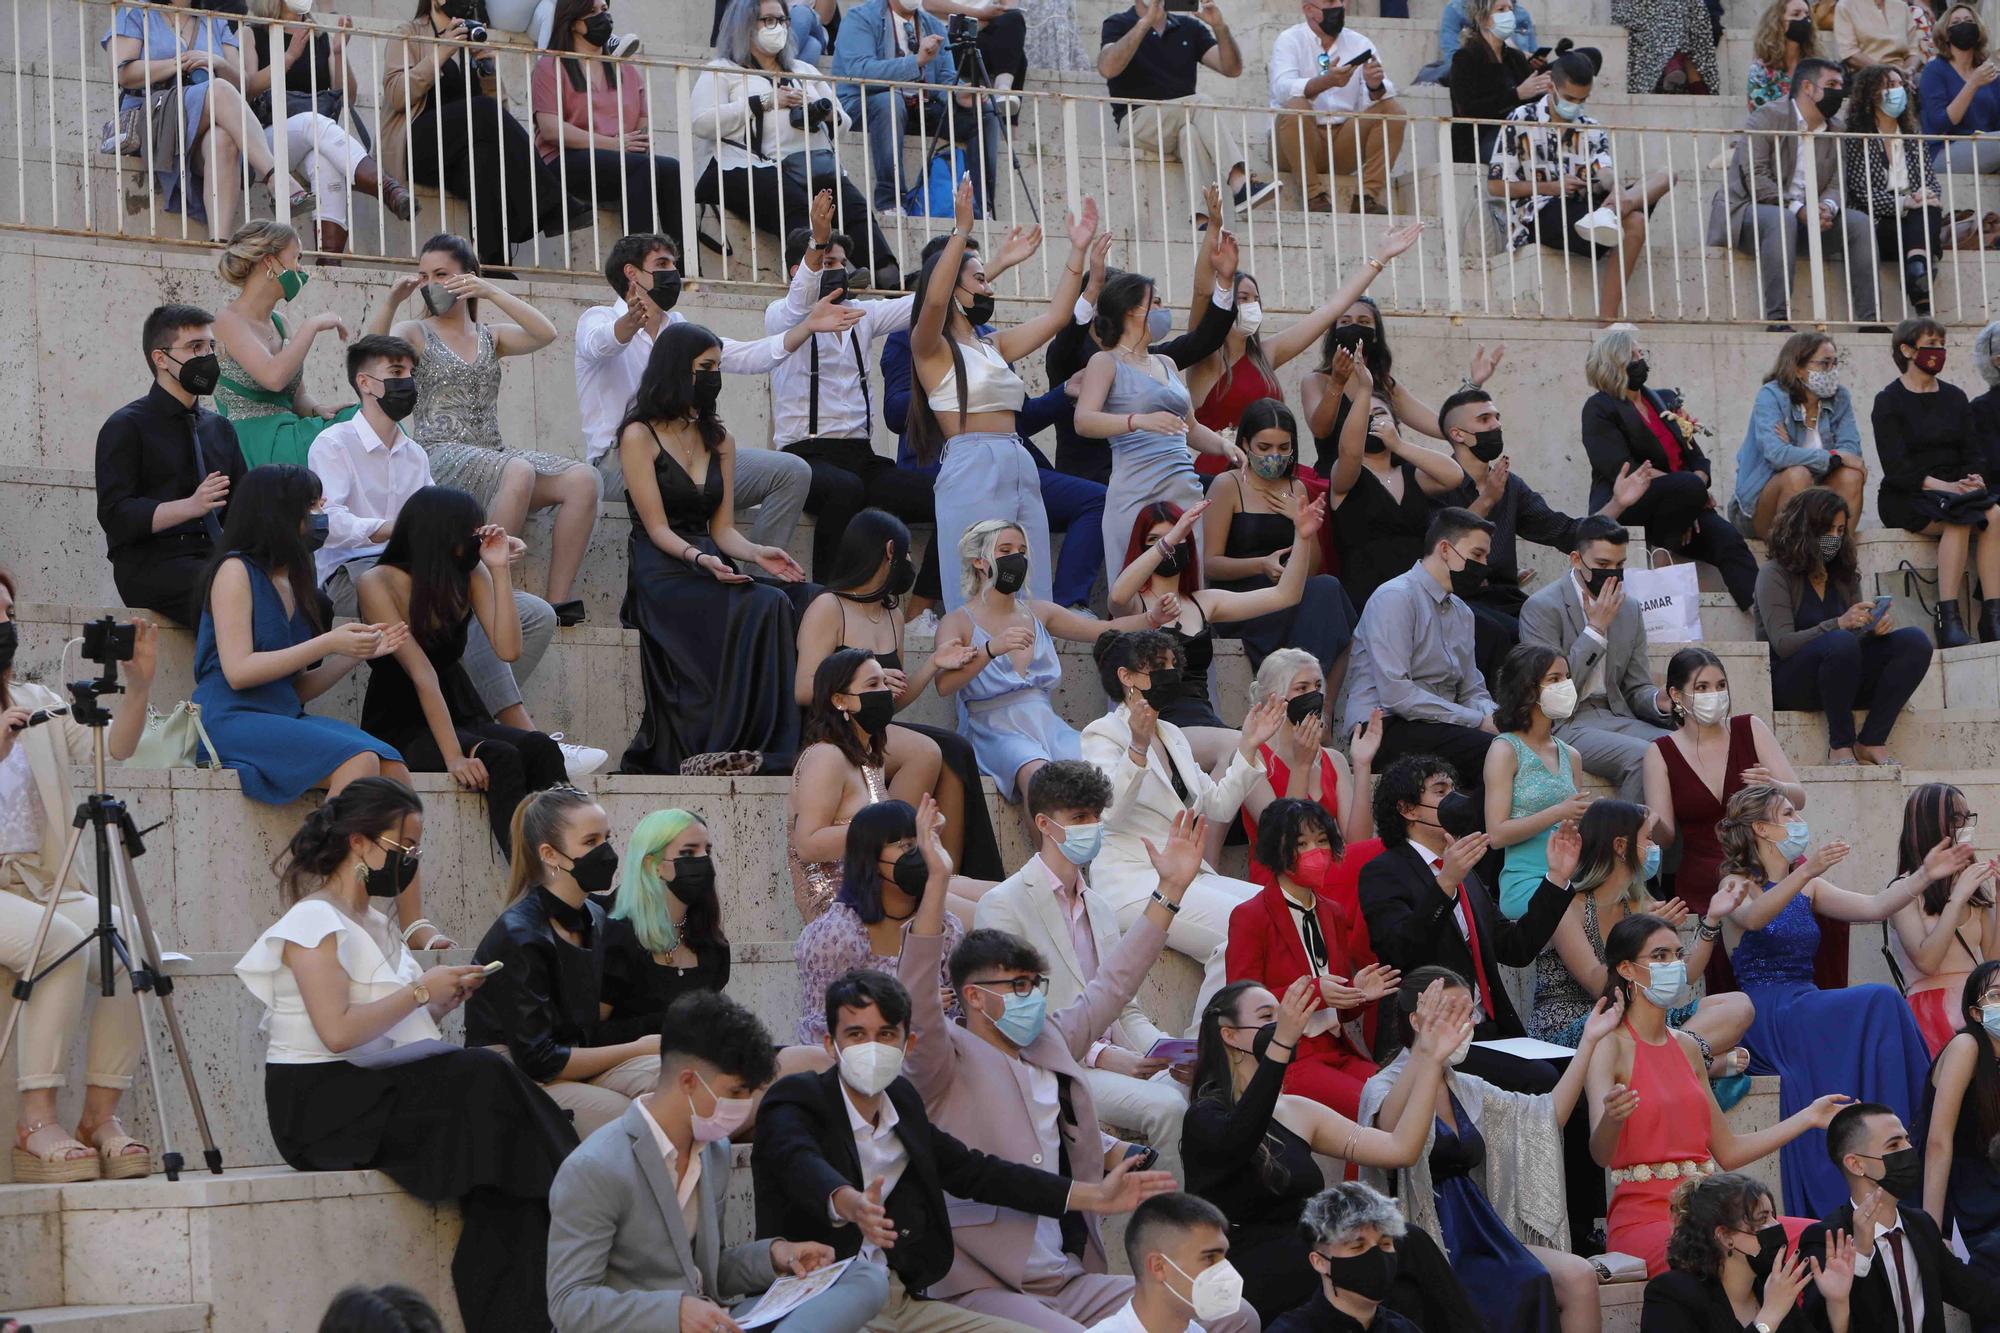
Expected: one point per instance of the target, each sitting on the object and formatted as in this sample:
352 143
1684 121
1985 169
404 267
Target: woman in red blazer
1291 929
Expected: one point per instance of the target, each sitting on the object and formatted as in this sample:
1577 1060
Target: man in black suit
1427 907
1904 1273
165 467
849 1158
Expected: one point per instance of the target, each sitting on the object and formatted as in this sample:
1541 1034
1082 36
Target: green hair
640 897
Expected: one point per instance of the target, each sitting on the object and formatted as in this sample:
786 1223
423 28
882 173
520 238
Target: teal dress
1535 790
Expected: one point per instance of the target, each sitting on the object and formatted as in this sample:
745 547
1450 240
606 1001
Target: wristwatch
1173 908
421 992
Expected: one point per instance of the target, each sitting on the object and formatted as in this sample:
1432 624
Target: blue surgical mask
1503 24
1989 1018
1021 1021
1797 837
1894 102
1159 323
1669 986
1566 109
1649 866
1080 842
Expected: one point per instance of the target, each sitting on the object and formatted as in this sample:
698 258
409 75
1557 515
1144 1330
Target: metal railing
83 168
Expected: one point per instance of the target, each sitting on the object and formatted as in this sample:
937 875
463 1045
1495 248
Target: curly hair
1864 98
706 1026
1736 831
1282 823
1332 1216
1517 687
1068 784
1700 1205
1796 531
1768 41
1133 650
1403 784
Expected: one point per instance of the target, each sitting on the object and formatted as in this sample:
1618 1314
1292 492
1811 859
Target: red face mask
1312 868
1930 360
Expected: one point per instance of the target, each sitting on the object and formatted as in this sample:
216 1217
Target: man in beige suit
1049 904
1762 208
1010 1082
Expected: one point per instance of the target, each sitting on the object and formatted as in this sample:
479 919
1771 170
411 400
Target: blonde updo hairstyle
977 544
1274 677
253 243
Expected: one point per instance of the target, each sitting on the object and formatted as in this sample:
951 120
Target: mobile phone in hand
1882 605
493 967
1361 59
1145 1155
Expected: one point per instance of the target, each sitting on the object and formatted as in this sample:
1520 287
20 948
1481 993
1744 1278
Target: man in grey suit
1587 619
636 1213
1762 208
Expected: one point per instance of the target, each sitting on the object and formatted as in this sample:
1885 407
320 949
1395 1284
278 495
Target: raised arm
273 371
1442 1020
927 336
1301 336
1022 339
1225 606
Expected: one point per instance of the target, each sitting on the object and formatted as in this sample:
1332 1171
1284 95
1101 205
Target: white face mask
1249 318
1215 1293
870 1066
1708 709
772 40
300 7
1558 700
1464 1047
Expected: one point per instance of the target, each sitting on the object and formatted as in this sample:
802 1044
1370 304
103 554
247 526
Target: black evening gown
716 658
1378 535
463 1124
1323 621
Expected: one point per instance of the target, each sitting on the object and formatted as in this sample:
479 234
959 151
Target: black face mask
707 388
1166 687
1830 101
1375 445
1300 707
1963 35
318 526
979 309
1902 1172
397 873
877 708
911 874
595 869
1799 30
1469 580
1458 815
10 643
1770 1244
1636 372
597 30
198 374
399 397
1356 338
1486 444
1368 1275
1175 560
1331 21
1010 572
902 577
1595 579
1265 1036
666 290
694 877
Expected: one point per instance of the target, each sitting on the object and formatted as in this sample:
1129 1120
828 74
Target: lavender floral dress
835 941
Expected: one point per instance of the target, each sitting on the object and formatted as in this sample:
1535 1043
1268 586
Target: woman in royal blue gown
1861 1041
1490 1183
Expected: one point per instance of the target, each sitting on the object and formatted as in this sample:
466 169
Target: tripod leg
127 878
41 937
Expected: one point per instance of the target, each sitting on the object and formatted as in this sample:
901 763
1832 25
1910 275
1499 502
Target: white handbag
174 739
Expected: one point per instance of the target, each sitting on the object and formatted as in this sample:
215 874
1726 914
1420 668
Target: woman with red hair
1163 573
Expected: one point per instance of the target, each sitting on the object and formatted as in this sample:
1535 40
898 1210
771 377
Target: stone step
115 1319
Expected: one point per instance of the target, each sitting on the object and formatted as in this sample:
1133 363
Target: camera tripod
969 73
117 885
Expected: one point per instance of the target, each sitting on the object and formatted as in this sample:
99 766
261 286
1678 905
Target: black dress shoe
570 612
1779 328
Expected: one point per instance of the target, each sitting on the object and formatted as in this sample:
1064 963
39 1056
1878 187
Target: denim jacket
865 50
1771 442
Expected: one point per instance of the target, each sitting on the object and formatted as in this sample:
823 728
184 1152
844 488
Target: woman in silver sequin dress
457 419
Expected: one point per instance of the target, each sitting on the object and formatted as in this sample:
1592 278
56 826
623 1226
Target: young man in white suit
1050 904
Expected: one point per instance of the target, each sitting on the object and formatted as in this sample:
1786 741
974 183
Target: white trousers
325 157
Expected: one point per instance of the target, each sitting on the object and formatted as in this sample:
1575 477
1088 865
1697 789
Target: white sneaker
1600 226
580 761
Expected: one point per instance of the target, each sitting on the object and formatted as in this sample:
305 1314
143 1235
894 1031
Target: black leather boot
1989 620
1950 627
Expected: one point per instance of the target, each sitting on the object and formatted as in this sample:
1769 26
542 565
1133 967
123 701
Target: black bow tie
1315 938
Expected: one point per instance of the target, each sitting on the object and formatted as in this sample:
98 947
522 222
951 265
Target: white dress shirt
1323 1019
845 403
1866 1257
1796 192
608 371
1295 62
685 1186
365 481
882 1156
1127 1321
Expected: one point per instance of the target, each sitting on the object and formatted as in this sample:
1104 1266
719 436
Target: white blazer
1144 803
1024 905
720 117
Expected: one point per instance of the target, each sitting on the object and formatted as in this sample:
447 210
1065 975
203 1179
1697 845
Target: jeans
887 119
1073 505
1841 669
326 157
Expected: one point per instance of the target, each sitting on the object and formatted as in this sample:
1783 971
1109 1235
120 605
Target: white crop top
370 976
990 384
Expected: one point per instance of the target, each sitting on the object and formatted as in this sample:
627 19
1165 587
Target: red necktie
1902 1278
1479 978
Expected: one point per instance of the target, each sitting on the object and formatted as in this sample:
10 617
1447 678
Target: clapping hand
1341 369
1225 259
1825 857
1301 998
1312 517
1164 612
1729 896
822 217
1485 363
1447 1024
1462 854
1565 849
1260 724
1620 1102
1017 248
1835 1277
1604 1019
1082 229
1394 243
1366 741
1184 525
1304 737
1946 859
1494 484
961 204
834 313
930 826
1632 484
1788 1277
1673 911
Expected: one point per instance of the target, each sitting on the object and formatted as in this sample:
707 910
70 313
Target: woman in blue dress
179 106
1005 693
1139 403
1499 1211
263 652
1861 1041
1961 1121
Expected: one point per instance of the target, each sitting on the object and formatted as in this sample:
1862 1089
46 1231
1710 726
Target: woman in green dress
262 390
